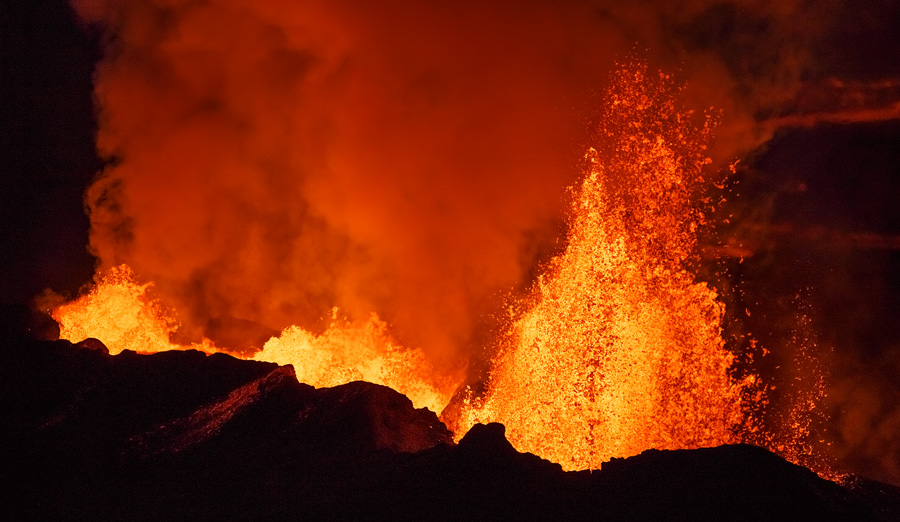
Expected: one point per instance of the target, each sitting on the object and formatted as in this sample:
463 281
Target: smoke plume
270 160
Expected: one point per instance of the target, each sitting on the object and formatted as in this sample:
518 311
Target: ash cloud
273 159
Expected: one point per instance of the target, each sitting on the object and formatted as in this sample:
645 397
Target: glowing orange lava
621 349
348 352
119 312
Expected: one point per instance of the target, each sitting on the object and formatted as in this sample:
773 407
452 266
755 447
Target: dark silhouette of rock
93 344
730 482
185 435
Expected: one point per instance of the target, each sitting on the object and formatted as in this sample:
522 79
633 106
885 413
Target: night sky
814 207
48 155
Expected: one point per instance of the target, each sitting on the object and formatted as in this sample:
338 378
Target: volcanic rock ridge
185 435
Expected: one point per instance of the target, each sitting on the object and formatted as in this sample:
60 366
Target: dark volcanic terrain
183 435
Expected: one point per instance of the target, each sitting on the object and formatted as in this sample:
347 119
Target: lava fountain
124 315
620 348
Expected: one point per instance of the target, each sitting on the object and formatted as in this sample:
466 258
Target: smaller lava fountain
124 316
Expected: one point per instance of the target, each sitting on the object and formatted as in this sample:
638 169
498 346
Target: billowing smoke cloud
272 159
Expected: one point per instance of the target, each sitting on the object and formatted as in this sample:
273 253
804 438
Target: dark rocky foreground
182 435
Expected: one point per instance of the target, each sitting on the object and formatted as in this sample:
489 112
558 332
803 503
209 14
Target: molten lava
348 352
621 349
119 312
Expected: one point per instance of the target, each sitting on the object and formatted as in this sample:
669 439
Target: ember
121 313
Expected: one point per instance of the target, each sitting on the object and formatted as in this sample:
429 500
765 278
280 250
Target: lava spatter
620 349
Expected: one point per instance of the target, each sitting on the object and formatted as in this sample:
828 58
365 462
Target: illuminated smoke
275 159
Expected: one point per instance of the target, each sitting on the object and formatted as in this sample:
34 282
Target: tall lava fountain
621 349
